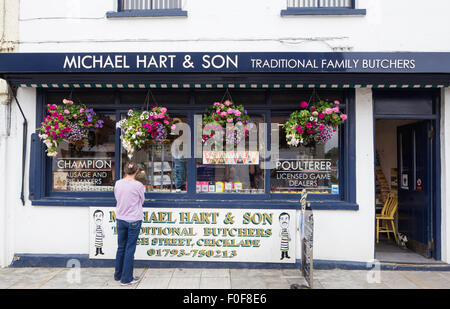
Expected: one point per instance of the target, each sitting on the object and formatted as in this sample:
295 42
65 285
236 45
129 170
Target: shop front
211 202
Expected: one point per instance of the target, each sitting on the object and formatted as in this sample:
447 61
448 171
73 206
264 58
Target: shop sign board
203 235
237 62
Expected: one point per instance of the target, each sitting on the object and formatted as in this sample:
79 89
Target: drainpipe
24 141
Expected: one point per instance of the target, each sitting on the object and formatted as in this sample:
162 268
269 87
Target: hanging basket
227 119
147 127
67 122
315 123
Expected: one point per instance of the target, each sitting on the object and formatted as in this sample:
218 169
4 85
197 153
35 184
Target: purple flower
76 133
325 135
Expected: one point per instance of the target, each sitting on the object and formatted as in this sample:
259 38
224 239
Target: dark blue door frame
435 191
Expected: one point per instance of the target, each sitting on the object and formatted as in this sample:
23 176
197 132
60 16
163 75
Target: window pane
312 168
89 166
86 97
231 169
294 97
160 170
238 97
155 97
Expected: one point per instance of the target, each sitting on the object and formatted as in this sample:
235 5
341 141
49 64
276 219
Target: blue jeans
127 235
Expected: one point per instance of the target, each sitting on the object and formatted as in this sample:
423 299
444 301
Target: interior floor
388 251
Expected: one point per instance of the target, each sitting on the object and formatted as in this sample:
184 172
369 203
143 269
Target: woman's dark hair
130 168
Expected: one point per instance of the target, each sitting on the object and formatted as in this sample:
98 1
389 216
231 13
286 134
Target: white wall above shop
233 25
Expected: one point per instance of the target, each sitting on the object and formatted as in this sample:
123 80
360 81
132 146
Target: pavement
200 278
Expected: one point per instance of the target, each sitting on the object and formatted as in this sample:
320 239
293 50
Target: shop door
414 191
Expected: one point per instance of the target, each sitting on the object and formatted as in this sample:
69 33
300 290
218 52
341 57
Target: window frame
145 12
352 10
41 165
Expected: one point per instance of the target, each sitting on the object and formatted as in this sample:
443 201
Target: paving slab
150 282
215 283
215 273
187 273
184 283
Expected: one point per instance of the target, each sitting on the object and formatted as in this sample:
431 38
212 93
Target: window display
236 164
87 165
225 168
312 168
160 169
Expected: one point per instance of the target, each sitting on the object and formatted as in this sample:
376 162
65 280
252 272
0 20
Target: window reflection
231 169
160 170
87 166
312 168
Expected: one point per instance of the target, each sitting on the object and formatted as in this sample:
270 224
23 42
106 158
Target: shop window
86 97
244 97
83 170
161 170
155 97
87 165
312 168
229 168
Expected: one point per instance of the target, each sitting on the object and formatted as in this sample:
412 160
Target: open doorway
405 187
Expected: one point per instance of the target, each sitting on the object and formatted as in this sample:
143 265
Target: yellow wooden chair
387 216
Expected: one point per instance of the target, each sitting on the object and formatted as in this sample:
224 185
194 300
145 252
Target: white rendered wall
234 25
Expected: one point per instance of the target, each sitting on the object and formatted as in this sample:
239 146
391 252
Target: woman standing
129 194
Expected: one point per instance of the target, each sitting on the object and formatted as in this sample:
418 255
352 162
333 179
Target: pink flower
310 131
53 106
336 109
163 110
299 129
75 116
216 104
223 114
166 122
66 111
237 113
315 113
321 127
343 116
336 102
230 120
81 110
309 125
227 103
218 111
304 104
230 111
328 111
173 127
321 116
67 101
